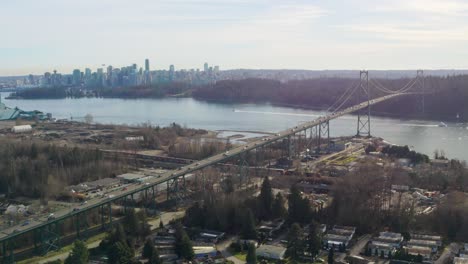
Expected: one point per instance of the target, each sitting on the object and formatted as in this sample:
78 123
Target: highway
115 195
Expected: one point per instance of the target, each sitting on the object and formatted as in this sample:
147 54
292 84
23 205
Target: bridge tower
363 124
421 89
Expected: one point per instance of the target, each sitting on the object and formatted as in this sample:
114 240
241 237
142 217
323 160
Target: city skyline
411 34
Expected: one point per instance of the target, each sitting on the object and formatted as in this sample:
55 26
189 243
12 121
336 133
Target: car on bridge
51 217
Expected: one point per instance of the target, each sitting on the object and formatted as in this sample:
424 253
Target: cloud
427 7
418 34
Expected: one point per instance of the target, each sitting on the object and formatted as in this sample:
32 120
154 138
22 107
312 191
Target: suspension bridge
46 230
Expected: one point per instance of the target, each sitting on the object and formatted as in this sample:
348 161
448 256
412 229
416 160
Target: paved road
360 244
223 247
64 255
166 218
448 253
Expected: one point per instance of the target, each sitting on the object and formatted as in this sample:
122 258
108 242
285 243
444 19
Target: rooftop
458 260
270 251
422 242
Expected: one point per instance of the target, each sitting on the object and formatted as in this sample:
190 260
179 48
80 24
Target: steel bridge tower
363 124
421 89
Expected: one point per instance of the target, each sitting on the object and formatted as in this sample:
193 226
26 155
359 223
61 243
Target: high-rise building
205 67
147 66
31 79
171 72
76 76
108 80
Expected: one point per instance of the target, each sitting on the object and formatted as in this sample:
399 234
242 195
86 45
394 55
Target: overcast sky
38 36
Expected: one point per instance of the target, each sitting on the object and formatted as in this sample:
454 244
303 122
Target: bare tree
88 119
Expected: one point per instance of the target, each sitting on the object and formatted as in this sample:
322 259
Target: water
423 136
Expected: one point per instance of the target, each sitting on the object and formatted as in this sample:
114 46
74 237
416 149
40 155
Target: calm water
423 136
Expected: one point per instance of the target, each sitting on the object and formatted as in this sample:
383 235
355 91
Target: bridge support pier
243 168
49 236
176 189
323 132
259 159
103 220
109 206
103 216
291 147
8 256
363 124
81 224
313 137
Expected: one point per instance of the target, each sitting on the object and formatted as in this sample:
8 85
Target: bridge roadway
15 231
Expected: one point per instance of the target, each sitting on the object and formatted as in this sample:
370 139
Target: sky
38 36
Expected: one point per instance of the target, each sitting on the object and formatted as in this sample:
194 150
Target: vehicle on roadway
51 217
25 223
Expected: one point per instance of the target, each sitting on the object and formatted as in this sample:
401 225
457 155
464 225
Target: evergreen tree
248 225
155 259
295 241
342 247
313 240
161 225
119 234
195 216
331 255
120 253
419 258
251 254
79 254
265 199
298 208
183 245
131 223
382 255
148 249
278 208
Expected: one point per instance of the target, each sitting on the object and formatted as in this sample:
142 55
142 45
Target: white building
271 252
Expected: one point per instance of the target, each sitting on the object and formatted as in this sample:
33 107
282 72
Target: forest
37 169
445 96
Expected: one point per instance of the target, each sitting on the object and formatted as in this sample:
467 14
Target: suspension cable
346 100
382 88
343 95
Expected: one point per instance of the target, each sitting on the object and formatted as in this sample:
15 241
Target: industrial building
339 235
424 245
271 252
387 243
7 113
